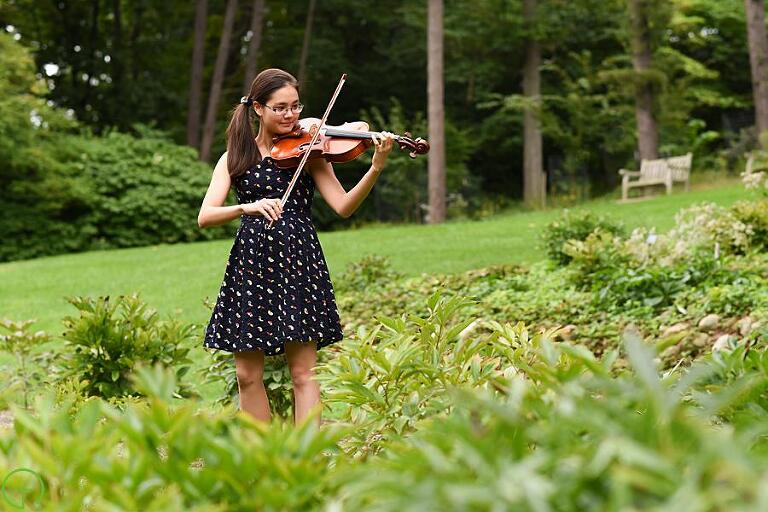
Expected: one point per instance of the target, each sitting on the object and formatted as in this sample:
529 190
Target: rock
567 332
744 326
709 322
671 351
723 342
701 340
6 419
468 329
675 329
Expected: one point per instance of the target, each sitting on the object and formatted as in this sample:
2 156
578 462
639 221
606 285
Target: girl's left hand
383 141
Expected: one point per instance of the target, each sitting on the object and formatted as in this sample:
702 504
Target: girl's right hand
269 208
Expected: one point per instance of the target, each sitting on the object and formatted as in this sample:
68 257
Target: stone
567 332
675 329
670 351
469 329
744 326
701 340
723 342
709 322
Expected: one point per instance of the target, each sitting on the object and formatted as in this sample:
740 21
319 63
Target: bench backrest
654 170
680 166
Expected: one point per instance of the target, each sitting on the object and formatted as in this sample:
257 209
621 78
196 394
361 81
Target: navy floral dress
276 284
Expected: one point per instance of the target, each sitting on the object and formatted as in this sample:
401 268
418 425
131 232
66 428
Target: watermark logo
38 485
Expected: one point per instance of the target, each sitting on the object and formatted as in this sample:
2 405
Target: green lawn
176 278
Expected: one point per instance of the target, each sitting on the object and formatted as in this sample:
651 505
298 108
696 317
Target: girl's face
284 100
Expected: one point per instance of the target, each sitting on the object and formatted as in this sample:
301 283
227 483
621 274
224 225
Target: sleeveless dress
276 285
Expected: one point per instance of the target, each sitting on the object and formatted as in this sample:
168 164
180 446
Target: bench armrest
625 172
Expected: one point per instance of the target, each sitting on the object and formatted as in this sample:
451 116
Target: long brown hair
242 151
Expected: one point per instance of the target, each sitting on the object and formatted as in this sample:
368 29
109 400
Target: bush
755 215
20 341
160 454
371 270
110 337
574 226
577 434
64 190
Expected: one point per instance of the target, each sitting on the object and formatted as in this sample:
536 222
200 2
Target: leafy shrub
144 191
110 337
389 380
575 434
65 190
20 341
595 260
755 215
704 227
440 416
574 226
371 270
161 454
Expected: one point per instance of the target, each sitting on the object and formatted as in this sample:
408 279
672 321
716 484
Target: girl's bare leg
302 357
249 368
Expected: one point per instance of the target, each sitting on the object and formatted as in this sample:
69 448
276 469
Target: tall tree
647 132
196 80
217 80
534 179
758 59
305 44
254 45
435 112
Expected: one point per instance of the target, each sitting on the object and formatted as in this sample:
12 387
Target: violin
335 144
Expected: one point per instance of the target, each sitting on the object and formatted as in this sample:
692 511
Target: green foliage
401 190
143 191
161 454
64 191
371 271
755 215
576 433
19 340
575 226
111 337
391 378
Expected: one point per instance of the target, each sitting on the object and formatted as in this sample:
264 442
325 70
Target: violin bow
311 145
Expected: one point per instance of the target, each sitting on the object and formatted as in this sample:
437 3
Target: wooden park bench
662 171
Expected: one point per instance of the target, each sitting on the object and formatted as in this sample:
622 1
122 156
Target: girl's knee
248 376
249 369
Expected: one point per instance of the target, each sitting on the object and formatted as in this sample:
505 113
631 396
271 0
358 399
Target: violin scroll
415 147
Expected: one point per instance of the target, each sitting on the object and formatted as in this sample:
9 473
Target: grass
175 279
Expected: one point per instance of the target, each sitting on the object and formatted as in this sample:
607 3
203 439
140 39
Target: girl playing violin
276 296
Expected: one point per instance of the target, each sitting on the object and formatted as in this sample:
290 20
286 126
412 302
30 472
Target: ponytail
242 150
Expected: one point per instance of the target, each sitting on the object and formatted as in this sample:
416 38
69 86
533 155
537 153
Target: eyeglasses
282 110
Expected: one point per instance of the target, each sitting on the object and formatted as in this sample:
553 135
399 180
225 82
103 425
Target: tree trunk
91 49
305 45
196 82
534 179
137 21
758 59
118 61
435 112
217 80
257 21
647 133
